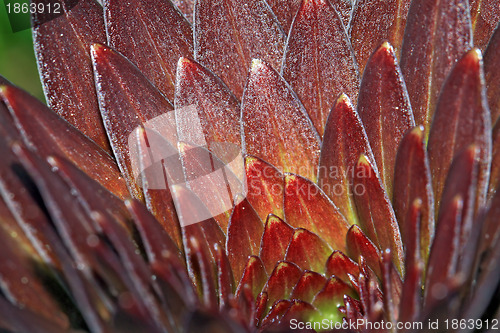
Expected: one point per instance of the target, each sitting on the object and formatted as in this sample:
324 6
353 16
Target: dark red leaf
91 194
462 182
495 161
374 22
412 181
203 103
186 7
391 287
21 278
306 206
298 310
370 297
444 253
169 37
384 108
265 187
200 265
358 245
153 152
275 239
344 8
158 245
254 276
134 266
492 75
340 265
308 251
282 280
243 236
285 11
318 61
278 309
462 118
212 181
491 228
411 299
8 129
437 34
375 212
90 253
309 285
485 16
17 319
276 126
344 141
353 309
49 134
225 279
127 100
62 51
245 30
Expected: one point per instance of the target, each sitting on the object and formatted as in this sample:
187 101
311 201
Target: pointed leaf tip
376 214
275 125
307 206
412 181
437 34
169 37
318 61
246 30
62 52
384 108
462 117
344 140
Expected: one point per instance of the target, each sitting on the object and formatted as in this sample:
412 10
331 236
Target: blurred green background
17 60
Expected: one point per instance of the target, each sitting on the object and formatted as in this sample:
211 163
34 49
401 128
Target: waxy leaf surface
62 50
492 75
359 246
412 181
276 126
384 109
246 30
462 118
282 280
169 37
344 141
376 214
203 102
485 15
318 61
127 100
340 265
374 22
254 276
437 34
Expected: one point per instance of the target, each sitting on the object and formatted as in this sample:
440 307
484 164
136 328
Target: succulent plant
322 161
